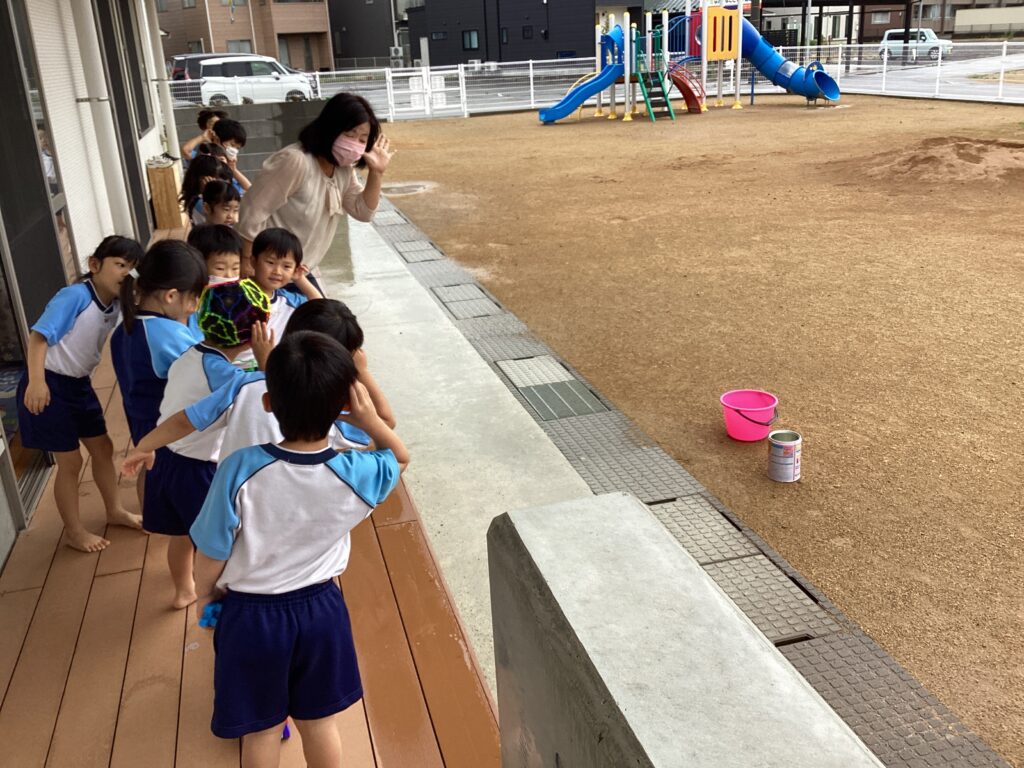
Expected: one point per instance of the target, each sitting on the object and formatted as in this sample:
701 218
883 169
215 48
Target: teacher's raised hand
379 158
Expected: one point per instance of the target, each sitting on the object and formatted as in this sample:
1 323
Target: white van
250 79
923 42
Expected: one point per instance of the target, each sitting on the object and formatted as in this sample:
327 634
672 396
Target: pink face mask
347 150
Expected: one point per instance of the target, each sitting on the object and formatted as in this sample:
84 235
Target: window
212 70
283 55
528 33
880 17
262 69
161 6
236 68
195 46
307 53
931 12
504 35
239 46
438 35
470 40
188 3
136 67
234 2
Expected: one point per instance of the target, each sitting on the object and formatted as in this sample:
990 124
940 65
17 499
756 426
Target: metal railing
987 71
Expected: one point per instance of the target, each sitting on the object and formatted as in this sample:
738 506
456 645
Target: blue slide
810 82
612 47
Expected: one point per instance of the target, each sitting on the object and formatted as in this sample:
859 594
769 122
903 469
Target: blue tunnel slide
810 82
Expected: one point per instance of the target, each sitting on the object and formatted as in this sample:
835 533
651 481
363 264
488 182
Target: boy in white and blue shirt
272 536
277 269
57 407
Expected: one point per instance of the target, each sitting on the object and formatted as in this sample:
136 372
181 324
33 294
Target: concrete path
476 453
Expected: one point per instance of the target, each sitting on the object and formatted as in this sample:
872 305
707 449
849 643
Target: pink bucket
749 413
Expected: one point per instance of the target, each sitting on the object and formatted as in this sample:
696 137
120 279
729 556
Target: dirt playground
864 263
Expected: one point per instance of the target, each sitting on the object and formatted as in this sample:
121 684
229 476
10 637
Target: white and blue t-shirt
281 519
76 325
199 372
236 412
282 304
142 360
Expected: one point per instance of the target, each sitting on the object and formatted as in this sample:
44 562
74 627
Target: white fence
969 71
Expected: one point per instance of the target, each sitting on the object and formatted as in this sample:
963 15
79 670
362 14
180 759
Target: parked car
185 66
923 42
250 79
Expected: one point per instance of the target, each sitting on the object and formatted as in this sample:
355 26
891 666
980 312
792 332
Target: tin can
784 455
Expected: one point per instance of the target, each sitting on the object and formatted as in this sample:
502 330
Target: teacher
308 186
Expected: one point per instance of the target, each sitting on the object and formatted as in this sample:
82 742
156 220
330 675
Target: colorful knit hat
227 312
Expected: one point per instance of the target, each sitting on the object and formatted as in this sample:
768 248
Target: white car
250 80
923 42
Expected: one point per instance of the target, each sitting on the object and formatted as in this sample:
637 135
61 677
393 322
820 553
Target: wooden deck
97 670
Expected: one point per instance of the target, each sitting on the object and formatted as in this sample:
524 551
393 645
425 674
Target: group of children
265 440
212 189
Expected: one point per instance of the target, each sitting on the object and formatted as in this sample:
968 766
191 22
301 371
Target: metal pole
739 54
704 55
687 28
885 69
664 40
938 71
533 99
462 90
1002 72
428 98
598 66
209 26
629 40
389 81
256 48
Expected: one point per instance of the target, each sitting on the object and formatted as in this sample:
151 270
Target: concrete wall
613 647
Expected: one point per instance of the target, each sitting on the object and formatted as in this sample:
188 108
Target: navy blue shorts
175 491
74 413
138 427
280 655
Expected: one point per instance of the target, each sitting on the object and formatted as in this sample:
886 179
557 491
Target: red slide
689 86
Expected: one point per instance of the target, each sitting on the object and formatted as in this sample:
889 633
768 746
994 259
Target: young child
220 246
276 263
231 135
272 536
237 409
201 171
206 119
155 304
182 472
221 203
57 406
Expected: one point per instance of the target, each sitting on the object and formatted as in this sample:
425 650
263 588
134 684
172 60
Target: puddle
400 188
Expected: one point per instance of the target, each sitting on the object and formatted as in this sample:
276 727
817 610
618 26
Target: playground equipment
660 55
628 57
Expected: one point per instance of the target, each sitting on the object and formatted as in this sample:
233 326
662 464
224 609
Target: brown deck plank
33 552
396 711
16 609
147 725
127 550
30 707
84 734
397 508
196 743
458 701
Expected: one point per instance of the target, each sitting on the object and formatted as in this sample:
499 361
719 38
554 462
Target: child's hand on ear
262 343
361 412
362 364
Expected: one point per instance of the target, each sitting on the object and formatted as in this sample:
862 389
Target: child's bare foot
122 516
184 599
84 541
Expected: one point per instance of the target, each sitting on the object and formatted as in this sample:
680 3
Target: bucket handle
775 417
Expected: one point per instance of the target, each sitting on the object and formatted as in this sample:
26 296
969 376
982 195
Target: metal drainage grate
704 533
467 292
533 371
388 218
561 400
463 310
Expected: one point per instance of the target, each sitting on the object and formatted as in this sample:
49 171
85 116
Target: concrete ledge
613 647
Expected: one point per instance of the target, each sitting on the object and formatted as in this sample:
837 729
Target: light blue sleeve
193 325
203 414
213 532
61 312
167 340
371 474
352 434
291 298
220 371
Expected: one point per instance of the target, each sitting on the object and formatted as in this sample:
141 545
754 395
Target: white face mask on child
231 152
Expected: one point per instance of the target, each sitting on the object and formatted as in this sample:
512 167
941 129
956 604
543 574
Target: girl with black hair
58 410
202 170
309 186
206 119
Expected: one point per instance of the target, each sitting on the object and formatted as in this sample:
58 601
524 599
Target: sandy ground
864 263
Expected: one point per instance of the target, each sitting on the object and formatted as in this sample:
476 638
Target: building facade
295 32
362 34
82 117
458 31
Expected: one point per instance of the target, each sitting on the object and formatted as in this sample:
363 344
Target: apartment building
295 32
82 115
